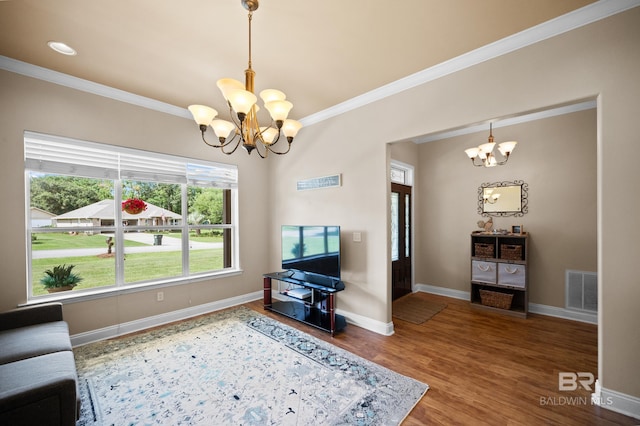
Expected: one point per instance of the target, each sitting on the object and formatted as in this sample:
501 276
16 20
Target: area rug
236 367
415 309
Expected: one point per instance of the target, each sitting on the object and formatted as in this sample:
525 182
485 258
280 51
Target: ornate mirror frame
524 201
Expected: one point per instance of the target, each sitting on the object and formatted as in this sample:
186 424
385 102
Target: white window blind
55 154
220 176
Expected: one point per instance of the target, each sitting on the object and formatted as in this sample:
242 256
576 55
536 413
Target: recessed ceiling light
63 48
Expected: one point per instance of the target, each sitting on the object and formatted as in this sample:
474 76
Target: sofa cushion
40 390
34 340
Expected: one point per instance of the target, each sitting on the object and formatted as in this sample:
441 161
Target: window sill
100 293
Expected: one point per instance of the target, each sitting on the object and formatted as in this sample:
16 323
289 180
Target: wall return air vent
581 291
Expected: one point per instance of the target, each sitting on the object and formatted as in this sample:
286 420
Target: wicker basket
484 250
496 299
510 252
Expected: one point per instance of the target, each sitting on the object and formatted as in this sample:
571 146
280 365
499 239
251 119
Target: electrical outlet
160 296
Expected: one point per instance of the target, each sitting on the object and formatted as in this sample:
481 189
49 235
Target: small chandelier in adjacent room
243 110
490 196
485 154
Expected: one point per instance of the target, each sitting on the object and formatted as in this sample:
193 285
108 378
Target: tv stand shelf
318 310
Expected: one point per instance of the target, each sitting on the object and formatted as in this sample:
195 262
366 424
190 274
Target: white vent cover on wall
320 182
581 291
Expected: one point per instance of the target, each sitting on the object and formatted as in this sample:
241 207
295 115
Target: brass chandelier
485 154
243 110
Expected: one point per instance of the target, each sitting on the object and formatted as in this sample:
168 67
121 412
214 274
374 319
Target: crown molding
83 85
562 24
578 18
482 127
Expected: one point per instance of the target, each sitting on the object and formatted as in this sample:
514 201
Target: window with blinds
76 190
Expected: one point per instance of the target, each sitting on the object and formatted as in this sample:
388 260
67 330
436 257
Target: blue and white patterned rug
236 367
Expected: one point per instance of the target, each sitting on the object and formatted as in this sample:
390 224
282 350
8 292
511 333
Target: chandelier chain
250 19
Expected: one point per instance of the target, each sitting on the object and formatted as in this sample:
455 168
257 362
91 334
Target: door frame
409 180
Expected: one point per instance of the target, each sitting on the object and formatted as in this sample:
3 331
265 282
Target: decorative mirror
507 198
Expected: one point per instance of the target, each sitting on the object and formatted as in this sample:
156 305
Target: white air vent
581 291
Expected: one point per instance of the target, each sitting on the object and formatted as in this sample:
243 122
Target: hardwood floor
484 368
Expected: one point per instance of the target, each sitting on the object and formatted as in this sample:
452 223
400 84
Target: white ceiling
321 54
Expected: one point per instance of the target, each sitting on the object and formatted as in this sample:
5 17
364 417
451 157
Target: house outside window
187 231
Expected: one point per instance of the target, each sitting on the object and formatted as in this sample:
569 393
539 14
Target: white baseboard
554 311
535 308
379 327
154 321
442 291
367 323
616 401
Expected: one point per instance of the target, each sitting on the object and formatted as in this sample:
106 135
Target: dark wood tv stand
317 310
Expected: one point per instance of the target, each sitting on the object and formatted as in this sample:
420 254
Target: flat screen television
312 250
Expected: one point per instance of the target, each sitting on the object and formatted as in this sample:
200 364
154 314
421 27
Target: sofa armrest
39 391
30 315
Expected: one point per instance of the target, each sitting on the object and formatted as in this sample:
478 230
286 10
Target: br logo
569 381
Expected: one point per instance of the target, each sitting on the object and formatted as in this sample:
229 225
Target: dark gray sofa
38 381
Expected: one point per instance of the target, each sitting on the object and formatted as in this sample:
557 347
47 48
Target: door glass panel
407 228
395 237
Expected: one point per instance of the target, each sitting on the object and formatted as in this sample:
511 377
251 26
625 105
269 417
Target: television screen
312 249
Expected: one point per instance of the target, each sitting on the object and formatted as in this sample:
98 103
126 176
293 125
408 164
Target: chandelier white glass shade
243 109
485 155
490 196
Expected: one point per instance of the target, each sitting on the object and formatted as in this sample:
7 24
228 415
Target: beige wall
353 206
600 60
556 158
29 104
